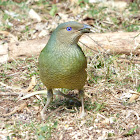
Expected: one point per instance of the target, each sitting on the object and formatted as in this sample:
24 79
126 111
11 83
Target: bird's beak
85 29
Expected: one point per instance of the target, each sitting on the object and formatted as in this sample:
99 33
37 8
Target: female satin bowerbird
62 62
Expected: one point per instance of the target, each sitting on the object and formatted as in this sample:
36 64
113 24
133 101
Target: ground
111 111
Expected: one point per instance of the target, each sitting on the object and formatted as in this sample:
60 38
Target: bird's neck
63 44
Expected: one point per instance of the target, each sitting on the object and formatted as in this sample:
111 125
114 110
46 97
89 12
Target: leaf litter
112 111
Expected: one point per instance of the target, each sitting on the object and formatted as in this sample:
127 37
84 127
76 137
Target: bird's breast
63 68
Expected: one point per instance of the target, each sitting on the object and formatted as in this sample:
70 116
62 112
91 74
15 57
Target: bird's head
70 32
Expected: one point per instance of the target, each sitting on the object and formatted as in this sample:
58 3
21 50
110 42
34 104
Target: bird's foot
43 115
82 113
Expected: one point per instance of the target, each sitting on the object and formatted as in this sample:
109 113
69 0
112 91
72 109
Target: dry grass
109 116
110 85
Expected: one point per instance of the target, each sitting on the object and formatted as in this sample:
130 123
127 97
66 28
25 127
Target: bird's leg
81 95
49 99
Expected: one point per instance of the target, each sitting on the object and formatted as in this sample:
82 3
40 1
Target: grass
41 131
102 106
106 20
108 113
103 83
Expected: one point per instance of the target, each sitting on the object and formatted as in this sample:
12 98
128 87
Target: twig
9 86
27 95
88 47
8 94
17 109
98 45
59 108
121 59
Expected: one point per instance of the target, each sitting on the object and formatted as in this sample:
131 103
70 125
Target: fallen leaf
134 97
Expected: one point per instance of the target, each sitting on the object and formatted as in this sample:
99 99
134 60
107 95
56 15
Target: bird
62 63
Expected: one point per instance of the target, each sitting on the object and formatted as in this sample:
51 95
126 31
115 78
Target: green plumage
62 63
63 68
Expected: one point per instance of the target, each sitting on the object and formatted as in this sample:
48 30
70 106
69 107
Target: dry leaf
31 85
34 15
134 97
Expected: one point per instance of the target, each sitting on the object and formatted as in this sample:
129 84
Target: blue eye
69 28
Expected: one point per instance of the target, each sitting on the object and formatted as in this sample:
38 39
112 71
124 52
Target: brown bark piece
112 43
26 48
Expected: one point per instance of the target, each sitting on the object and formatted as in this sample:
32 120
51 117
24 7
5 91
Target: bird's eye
69 28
